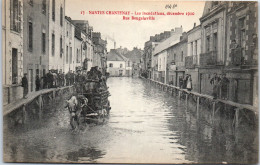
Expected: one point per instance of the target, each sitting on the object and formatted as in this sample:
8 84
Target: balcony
208 59
237 56
190 61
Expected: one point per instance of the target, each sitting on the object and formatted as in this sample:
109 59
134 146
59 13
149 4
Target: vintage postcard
130 81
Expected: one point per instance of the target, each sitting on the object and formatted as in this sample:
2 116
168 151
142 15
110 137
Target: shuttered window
15 15
30 37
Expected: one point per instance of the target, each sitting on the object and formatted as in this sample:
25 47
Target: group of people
55 79
220 86
219 82
184 82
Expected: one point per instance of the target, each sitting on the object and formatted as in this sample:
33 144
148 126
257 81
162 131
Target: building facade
213 23
88 45
176 54
242 52
56 34
160 55
193 55
35 39
135 57
149 48
69 45
12 49
116 63
100 51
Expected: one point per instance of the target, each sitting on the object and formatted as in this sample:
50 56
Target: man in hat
25 85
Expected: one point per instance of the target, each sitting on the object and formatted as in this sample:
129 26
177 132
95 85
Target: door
243 92
120 72
14 66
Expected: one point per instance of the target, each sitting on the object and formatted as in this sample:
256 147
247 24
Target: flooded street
146 125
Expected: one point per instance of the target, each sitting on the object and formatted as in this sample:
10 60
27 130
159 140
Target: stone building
88 45
242 51
35 39
213 41
160 56
148 50
100 51
176 61
135 56
229 46
193 55
69 45
116 63
78 49
12 49
56 34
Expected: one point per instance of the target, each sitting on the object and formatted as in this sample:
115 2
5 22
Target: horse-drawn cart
98 106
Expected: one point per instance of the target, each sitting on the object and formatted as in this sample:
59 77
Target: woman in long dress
189 83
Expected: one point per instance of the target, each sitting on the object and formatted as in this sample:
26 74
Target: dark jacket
24 82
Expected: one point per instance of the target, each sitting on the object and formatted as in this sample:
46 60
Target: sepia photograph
130 81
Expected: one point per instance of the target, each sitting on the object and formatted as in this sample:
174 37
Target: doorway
30 77
14 66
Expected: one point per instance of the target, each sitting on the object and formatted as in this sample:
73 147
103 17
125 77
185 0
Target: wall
10 40
69 41
56 60
249 12
35 59
162 63
219 27
128 68
114 71
77 53
194 35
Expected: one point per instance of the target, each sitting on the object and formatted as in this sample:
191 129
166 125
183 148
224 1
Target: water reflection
146 125
85 154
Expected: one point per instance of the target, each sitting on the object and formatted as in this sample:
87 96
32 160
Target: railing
237 58
50 93
237 106
209 58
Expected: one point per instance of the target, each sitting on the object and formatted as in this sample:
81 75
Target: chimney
114 44
194 24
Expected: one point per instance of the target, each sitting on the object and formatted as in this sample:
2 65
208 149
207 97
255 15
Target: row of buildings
122 62
225 42
38 37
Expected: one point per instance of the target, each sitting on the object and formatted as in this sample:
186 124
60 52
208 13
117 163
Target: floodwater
146 125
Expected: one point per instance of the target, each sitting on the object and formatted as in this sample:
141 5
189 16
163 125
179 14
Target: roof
113 55
135 55
174 39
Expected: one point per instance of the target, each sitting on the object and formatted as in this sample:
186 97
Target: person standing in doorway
25 85
181 82
37 82
215 82
185 81
224 83
189 83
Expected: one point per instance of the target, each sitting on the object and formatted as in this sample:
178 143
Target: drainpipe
5 42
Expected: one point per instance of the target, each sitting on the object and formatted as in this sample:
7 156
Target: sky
133 33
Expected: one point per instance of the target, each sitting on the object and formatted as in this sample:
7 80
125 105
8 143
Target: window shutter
19 16
11 14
